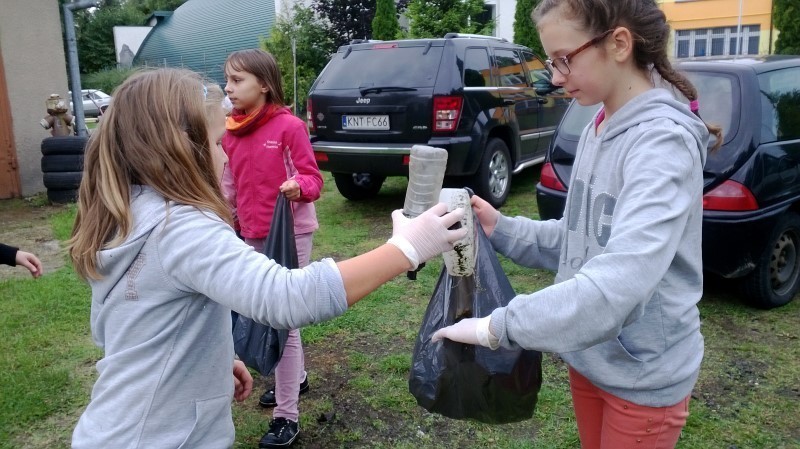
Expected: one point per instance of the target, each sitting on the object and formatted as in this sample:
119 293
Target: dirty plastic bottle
461 260
426 169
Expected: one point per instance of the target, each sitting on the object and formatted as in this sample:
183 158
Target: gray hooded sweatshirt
628 257
161 314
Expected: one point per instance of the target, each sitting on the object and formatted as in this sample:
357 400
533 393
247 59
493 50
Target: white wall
131 36
504 17
33 56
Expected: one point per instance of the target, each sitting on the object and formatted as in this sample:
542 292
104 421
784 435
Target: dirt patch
28 227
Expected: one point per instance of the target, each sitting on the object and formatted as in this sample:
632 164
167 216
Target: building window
719 41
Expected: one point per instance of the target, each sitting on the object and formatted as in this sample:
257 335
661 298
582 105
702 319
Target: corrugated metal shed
200 34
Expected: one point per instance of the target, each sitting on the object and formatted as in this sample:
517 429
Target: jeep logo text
362 100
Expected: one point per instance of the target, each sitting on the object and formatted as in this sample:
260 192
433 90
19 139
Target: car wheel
358 186
62 180
492 182
63 145
62 162
776 278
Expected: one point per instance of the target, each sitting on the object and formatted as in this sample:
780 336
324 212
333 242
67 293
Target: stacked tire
62 167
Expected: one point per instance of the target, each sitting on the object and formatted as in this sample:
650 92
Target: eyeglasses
562 62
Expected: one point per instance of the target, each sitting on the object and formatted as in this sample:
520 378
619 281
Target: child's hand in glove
427 235
472 331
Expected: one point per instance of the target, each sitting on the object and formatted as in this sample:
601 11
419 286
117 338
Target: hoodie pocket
623 366
213 425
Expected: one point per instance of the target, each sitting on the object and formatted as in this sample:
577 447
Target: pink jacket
259 162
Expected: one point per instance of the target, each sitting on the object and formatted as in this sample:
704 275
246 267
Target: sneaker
268 398
281 433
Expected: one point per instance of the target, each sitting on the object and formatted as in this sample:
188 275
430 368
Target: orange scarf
240 124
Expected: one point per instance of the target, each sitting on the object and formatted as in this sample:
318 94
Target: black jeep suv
751 206
488 102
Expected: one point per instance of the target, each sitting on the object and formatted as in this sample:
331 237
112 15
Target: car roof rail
364 41
474 36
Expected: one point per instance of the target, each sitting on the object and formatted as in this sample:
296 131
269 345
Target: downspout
72 61
771 15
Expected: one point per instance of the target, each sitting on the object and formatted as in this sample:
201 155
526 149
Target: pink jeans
291 370
608 422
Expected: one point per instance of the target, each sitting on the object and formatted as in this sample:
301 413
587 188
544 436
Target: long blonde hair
153 134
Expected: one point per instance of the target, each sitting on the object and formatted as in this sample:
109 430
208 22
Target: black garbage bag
463 381
258 345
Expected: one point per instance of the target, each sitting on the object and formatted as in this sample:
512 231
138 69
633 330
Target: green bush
106 80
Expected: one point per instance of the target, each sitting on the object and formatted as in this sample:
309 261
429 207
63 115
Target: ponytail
685 87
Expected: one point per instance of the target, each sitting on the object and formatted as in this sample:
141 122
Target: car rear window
396 66
576 119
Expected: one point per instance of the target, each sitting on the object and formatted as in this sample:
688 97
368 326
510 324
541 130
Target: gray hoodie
161 314
628 254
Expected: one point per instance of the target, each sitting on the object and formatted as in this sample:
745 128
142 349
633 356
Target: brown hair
649 27
153 134
264 66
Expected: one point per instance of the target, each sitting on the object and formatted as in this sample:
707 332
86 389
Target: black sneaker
281 433
268 398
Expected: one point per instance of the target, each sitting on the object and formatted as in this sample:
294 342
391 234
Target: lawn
748 395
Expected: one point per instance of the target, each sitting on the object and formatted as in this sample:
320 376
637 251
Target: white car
95 102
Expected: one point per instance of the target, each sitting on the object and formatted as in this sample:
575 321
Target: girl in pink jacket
269 152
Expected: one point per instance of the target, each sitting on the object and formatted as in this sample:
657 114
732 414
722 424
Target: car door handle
541 100
508 102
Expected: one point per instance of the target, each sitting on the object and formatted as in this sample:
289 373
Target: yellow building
714 28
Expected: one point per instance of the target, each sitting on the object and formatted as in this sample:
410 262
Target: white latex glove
487 215
426 236
472 331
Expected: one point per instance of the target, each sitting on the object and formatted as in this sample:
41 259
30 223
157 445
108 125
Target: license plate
373 122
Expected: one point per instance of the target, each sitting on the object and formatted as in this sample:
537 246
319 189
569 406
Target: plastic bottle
461 260
426 169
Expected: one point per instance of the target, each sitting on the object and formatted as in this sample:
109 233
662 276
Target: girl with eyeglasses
627 252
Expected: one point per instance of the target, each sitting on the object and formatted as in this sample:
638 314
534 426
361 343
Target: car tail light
312 128
446 112
549 178
320 157
406 159
730 196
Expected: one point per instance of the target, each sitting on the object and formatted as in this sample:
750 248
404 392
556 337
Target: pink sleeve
228 187
303 165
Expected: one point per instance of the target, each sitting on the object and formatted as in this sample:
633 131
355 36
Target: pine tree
385 25
524 30
786 14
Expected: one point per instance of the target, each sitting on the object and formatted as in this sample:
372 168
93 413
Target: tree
786 14
148 7
347 19
435 18
524 30
96 35
313 46
385 25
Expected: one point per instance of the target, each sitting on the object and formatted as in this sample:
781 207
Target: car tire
776 278
62 180
492 182
62 196
62 162
63 145
358 186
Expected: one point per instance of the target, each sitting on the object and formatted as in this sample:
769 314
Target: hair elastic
694 106
205 92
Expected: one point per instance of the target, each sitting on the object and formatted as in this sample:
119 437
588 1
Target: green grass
747 395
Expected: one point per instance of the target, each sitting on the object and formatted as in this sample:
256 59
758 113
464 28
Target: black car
488 102
751 205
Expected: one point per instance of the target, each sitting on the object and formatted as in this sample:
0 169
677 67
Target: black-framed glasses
561 63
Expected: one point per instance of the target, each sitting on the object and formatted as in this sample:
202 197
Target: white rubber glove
472 331
426 236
